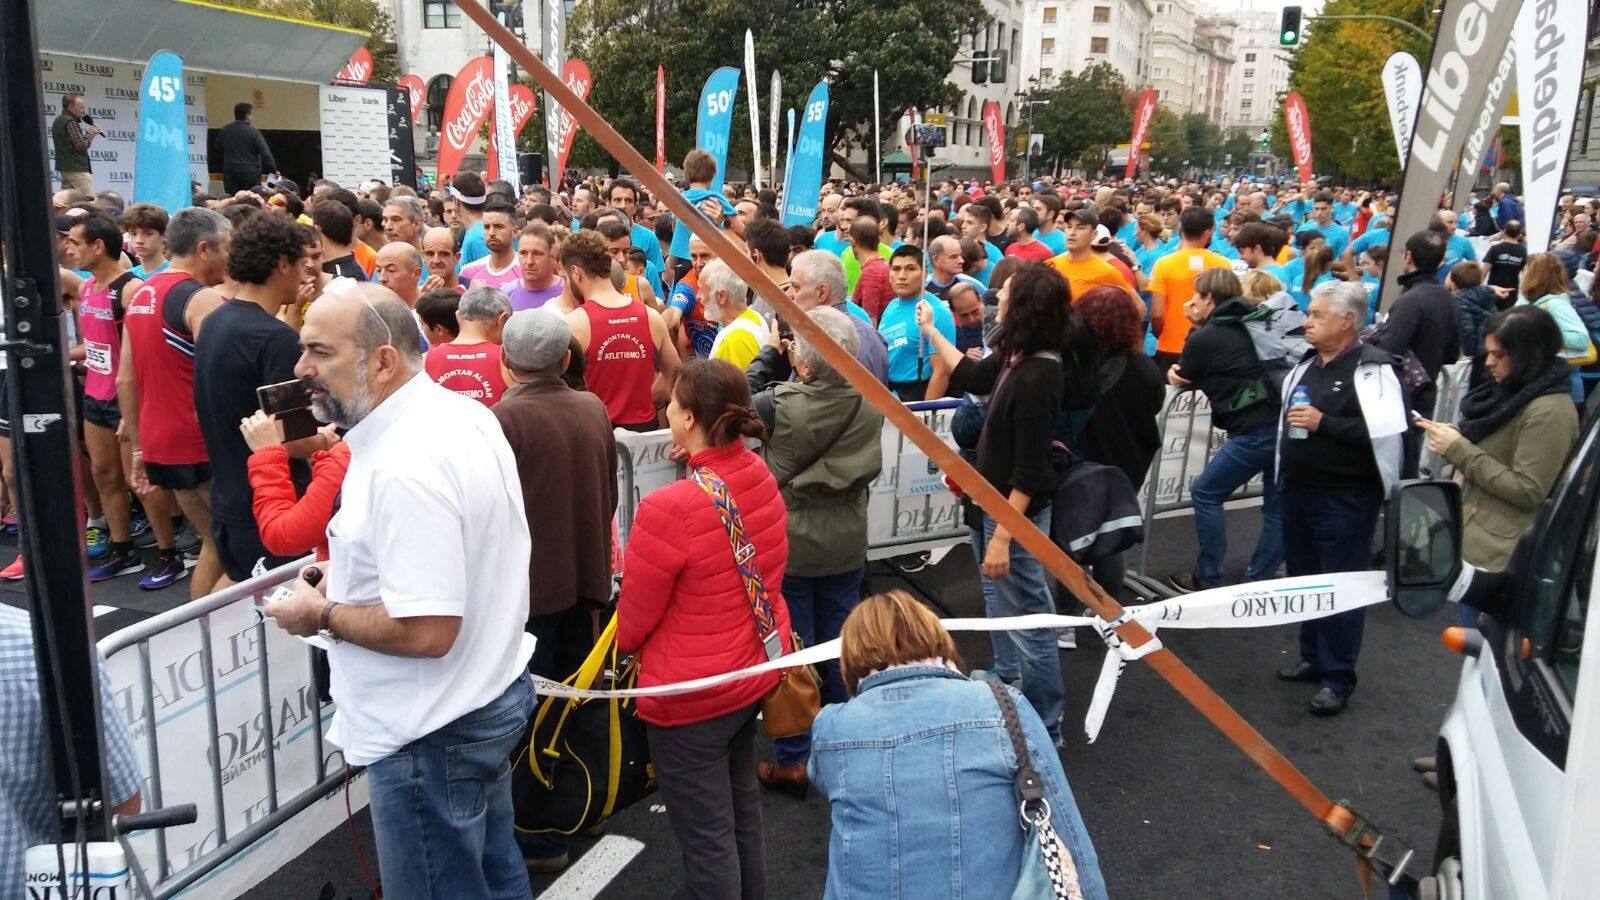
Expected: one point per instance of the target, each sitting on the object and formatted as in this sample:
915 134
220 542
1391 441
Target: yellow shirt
740 340
1173 277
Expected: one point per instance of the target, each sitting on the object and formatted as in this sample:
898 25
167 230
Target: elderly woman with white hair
823 448
1339 453
726 300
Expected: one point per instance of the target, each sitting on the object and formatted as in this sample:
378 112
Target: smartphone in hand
290 403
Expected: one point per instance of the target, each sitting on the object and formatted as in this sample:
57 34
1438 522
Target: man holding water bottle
1339 452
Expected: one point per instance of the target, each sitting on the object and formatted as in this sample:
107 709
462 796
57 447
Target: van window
1567 651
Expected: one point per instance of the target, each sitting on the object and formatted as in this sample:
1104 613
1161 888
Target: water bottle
1300 397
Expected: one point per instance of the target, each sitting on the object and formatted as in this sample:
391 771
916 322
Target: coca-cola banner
576 74
418 93
522 104
1299 122
466 107
1142 115
358 70
994 135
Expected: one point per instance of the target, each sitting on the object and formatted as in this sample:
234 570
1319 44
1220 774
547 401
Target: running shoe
1067 638
97 540
14 571
144 536
169 570
124 563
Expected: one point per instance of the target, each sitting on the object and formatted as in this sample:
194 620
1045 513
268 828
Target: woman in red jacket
685 611
292 525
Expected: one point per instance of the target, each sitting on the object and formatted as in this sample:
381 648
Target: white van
1519 750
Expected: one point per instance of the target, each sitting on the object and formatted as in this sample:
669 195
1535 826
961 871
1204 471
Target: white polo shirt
430 523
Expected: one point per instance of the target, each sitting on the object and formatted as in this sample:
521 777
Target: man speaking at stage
423 602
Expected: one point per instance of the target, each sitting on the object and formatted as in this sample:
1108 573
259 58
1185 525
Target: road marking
595 869
102 610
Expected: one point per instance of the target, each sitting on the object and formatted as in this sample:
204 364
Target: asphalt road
1174 808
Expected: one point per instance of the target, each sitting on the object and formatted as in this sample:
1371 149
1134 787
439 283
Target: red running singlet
620 364
163 361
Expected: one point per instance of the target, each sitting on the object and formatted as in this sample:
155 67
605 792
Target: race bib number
97 357
1196 263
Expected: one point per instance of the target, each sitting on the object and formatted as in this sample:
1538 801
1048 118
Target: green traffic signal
1289 31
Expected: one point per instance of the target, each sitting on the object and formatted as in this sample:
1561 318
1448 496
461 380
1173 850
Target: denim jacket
921 774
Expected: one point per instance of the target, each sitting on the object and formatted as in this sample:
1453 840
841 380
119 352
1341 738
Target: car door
1537 652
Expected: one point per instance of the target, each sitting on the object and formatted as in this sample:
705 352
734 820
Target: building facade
1063 37
1214 62
1260 73
966 153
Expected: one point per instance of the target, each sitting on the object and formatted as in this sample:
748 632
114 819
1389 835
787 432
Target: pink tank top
100 319
621 362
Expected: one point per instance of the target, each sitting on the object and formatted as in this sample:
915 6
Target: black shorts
105 413
239 547
178 478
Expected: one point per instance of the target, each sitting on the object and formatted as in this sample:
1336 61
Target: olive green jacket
827 502
1507 476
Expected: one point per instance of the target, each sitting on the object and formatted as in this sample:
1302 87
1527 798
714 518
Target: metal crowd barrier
1188 442
1186 419
909 506
167 674
1452 384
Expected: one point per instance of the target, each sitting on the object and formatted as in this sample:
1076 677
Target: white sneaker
1067 638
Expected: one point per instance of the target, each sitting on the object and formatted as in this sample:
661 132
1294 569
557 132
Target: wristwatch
325 624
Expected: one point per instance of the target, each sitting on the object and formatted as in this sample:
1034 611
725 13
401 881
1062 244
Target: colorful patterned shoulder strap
744 556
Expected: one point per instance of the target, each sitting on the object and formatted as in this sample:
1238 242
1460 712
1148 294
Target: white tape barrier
1260 604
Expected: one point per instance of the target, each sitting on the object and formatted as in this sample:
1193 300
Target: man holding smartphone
243 346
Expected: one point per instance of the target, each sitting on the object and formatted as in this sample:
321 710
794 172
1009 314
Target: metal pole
44 439
877 136
1391 20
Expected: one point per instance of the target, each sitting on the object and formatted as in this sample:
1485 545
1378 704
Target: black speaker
531 167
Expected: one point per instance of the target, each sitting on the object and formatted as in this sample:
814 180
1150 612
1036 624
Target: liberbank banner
1467 48
111 92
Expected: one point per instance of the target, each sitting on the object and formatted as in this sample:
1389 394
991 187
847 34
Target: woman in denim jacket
920 771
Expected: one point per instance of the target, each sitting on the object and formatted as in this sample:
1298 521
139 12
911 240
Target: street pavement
1174 809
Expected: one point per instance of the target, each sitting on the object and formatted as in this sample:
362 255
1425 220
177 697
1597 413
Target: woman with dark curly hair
1122 431
1040 338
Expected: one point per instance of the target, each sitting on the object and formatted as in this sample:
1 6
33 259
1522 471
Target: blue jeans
1033 653
818 605
1328 531
441 807
1237 461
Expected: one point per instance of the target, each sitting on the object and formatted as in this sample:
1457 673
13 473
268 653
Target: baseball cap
1102 237
534 339
63 223
1084 216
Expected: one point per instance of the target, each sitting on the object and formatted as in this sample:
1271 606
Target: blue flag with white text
161 156
714 122
806 161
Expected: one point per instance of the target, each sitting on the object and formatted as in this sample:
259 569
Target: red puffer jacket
683 605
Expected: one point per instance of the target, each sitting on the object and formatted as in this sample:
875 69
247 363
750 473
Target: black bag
586 759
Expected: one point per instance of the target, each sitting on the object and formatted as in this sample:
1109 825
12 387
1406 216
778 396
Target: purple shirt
527 298
480 272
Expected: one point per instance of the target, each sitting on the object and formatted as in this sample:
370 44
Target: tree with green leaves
1169 142
1083 115
1337 69
363 15
912 45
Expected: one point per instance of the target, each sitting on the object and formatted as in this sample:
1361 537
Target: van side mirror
1422 542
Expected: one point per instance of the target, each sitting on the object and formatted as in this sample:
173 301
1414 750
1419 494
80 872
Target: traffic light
997 69
1289 33
980 70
